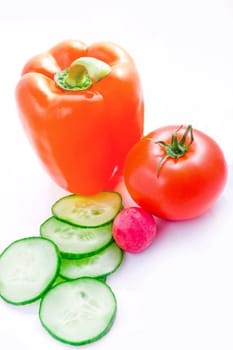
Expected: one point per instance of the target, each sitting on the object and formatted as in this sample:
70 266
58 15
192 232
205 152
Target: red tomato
175 173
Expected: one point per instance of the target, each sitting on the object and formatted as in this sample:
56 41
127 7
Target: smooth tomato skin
183 188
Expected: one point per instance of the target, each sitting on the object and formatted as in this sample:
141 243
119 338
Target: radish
134 229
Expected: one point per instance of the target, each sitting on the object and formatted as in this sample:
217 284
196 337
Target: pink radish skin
134 229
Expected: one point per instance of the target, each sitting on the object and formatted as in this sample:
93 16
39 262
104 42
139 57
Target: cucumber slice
28 267
59 279
89 211
74 241
78 312
98 265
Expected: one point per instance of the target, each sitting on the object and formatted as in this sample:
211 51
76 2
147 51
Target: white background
178 294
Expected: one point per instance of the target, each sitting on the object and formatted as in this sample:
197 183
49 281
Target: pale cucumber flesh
28 267
85 314
89 211
74 241
99 265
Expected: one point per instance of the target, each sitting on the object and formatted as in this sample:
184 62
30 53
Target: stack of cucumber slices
66 268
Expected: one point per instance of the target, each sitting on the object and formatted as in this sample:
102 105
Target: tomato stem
82 73
176 148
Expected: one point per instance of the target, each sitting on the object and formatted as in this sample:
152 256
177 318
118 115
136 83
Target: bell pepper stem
77 76
82 73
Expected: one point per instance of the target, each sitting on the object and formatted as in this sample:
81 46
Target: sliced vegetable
75 241
91 211
134 229
59 279
78 312
98 265
28 267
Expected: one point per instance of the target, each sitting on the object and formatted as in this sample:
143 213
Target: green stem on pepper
82 73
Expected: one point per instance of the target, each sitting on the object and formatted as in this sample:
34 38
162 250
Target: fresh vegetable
58 280
101 264
82 109
175 172
28 268
83 309
78 312
75 242
134 229
88 211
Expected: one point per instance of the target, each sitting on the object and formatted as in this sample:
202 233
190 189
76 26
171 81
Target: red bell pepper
82 109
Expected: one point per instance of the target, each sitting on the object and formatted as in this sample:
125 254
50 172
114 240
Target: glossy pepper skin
82 137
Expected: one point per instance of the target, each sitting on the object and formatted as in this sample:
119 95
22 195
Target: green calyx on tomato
188 185
176 148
